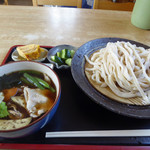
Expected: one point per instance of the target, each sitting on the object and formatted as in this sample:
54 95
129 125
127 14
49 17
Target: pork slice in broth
38 101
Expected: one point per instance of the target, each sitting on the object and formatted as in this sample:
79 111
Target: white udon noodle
124 68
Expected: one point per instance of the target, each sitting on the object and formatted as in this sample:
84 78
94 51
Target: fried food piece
14 124
29 52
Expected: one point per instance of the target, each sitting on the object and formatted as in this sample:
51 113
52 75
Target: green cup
141 14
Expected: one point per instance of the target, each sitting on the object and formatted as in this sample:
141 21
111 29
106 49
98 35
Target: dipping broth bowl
45 118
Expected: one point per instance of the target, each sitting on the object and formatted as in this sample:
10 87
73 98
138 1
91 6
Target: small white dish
16 57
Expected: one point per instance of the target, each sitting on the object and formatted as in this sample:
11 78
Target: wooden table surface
20 25
51 26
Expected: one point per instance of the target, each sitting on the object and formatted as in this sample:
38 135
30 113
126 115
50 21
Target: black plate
77 70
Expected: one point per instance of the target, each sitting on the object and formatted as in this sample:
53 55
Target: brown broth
50 95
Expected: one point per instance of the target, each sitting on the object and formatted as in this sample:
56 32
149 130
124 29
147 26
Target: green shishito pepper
45 84
37 82
33 80
23 79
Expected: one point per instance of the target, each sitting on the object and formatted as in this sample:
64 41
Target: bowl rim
45 114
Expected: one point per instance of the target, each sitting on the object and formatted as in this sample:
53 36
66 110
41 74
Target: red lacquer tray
77 112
